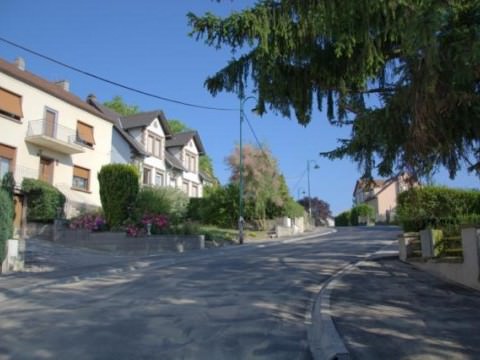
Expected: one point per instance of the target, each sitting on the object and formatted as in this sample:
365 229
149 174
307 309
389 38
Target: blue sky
145 44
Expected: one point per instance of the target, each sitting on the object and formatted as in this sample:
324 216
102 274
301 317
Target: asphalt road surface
241 302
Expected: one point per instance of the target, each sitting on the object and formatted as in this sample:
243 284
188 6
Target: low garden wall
464 270
120 243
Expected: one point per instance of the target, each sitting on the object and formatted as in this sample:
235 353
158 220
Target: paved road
249 302
390 310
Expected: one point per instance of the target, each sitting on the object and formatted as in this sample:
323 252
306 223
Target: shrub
89 221
43 200
343 219
161 200
293 209
8 183
6 220
119 185
419 208
364 211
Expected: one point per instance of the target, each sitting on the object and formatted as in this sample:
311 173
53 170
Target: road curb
324 340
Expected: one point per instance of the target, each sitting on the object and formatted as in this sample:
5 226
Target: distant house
163 158
382 194
48 133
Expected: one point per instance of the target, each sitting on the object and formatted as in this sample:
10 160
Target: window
195 190
158 147
85 134
159 178
81 178
10 104
7 160
185 187
155 145
190 162
147 176
150 144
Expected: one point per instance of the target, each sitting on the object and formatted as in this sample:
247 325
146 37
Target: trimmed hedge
427 206
343 219
119 186
6 220
43 200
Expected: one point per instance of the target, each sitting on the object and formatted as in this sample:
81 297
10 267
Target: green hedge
162 200
418 208
343 219
43 200
119 185
361 210
6 220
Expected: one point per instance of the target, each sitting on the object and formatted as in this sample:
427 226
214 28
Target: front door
46 170
50 123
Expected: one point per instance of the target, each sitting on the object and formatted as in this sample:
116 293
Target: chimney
64 84
20 63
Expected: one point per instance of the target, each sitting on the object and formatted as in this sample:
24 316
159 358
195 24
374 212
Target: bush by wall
364 211
119 185
6 220
427 206
43 200
162 200
343 219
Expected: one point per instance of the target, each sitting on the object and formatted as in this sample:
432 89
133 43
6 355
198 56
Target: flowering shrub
92 222
158 223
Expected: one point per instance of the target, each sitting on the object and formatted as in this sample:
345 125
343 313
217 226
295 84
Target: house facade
382 195
163 158
50 134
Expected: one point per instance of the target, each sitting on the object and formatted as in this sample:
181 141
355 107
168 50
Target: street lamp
308 181
240 210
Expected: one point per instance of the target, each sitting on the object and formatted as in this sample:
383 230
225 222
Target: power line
111 82
299 180
256 139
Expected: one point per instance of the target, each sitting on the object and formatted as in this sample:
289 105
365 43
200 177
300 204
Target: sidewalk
387 309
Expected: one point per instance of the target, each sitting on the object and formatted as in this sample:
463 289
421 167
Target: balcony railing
53 136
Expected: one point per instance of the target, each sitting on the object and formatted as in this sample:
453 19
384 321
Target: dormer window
190 162
155 145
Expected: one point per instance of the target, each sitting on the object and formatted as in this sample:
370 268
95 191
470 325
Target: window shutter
81 172
11 103
7 152
85 133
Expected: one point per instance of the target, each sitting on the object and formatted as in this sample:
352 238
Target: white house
48 133
164 158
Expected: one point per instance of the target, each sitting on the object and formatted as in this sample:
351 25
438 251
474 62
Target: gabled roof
173 161
48 87
144 119
117 125
182 139
365 184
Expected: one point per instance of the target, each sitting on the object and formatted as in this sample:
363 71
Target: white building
48 133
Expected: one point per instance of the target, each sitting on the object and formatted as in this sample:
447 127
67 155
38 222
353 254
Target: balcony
51 135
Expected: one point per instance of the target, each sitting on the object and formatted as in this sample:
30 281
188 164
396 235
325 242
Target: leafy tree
343 219
118 105
320 209
420 60
265 191
361 213
177 126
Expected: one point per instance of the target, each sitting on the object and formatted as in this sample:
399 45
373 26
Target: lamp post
240 201
308 182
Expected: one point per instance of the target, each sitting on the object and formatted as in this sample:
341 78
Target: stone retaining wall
122 244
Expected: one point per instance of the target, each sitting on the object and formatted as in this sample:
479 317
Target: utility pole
308 183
